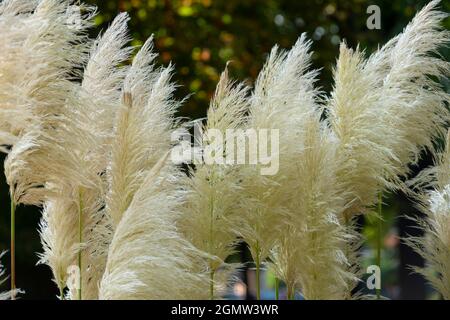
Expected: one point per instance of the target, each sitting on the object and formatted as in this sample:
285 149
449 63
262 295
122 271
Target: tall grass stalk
277 288
257 273
80 240
379 235
13 248
211 284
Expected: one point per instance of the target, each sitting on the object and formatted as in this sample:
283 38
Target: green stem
258 271
379 235
277 289
258 284
290 292
80 240
211 238
13 248
211 285
61 292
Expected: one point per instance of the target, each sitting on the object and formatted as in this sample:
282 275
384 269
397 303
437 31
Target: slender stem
290 292
258 285
258 280
13 248
61 292
211 285
80 240
211 237
277 289
379 235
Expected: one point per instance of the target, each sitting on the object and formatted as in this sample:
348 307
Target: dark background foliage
200 37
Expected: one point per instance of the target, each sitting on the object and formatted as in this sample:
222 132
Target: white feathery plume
42 49
365 153
142 131
308 256
77 147
291 216
39 48
34 89
407 68
283 94
148 258
209 218
386 110
434 245
16 25
355 115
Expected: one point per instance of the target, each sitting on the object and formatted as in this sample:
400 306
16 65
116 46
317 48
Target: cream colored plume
434 245
210 220
385 110
293 216
78 147
407 68
142 130
16 24
308 256
284 94
148 258
38 66
39 50
142 133
356 114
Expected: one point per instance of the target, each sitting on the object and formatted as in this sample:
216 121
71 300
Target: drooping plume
38 66
386 110
143 129
148 258
78 148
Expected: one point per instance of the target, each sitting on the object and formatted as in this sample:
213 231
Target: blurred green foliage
200 36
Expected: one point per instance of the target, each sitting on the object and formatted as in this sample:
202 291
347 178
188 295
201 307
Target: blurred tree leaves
200 36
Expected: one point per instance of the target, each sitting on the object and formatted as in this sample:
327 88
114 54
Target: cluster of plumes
433 196
88 137
95 130
387 109
382 113
291 217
